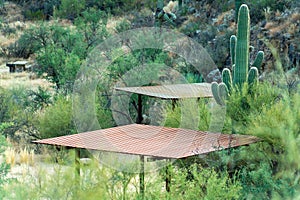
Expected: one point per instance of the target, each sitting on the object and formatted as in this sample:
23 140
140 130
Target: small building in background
19 66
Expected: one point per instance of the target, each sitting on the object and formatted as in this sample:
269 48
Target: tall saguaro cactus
239 51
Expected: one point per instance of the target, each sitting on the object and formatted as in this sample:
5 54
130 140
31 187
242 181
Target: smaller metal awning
152 141
174 91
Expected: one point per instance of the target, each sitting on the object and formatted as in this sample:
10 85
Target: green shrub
4 168
70 9
56 120
34 15
243 103
204 183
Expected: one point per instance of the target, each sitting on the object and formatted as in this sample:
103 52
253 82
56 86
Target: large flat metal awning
174 91
155 141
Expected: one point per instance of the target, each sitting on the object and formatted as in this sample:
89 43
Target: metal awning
174 91
155 141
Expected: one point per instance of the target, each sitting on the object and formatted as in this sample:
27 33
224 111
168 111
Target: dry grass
112 24
295 17
27 157
23 79
10 156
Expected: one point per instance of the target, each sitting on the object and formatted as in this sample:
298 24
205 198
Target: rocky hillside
277 32
275 28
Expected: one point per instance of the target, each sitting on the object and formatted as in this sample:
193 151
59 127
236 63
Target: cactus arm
173 16
253 76
223 93
166 17
232 48
226 78
258 60
160 14
242 47
215 92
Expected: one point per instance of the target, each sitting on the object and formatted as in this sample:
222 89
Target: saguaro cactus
239 51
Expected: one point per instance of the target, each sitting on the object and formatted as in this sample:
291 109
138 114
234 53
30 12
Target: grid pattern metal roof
174 91
153 141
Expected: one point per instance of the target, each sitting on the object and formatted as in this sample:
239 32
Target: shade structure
155 141
174 91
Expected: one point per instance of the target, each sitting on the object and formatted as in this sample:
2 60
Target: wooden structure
18 66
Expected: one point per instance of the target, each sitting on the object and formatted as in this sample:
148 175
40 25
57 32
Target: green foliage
117 7
37 38
259 183
129 70
70 9
4 109
124 25
16 112
40 98
250 166
204 183
30 41
92 25
60 50
7 30
173 115
56 120
34 15
4 168
60 55
241 104
279 126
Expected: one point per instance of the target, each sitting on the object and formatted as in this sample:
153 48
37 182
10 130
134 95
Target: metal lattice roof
153 141
175 91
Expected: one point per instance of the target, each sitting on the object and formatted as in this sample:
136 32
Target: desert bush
26 156
40 98
92 25
61 67
17 114
39 10
241 104
56 120
196 182
69 9
7 30
10 156
32 40
123 25
279 125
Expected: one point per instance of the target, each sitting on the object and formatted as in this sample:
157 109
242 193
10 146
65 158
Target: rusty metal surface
153 141
175 91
